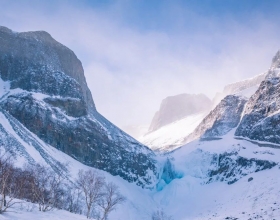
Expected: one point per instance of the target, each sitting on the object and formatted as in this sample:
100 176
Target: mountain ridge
261 116
46 91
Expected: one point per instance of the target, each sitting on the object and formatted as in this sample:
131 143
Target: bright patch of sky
135 53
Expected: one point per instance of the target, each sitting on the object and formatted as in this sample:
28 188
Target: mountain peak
47 95
39 35
24 53
5 29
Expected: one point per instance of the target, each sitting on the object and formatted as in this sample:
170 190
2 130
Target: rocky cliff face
261 115
230 167
174 108
220 120
45 90
34 61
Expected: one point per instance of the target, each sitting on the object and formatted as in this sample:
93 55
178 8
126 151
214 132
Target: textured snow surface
29 211
217 178
189 196
172 135
240 86
186 199
27 144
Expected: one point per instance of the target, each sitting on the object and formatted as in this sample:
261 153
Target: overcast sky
135 53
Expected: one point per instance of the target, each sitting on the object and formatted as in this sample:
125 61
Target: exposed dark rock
250 179
72 107
83 139
261 119
231 167
34 61
220 120
14 143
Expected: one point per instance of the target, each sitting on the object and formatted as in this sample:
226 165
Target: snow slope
192 196
34 150
174 108
196 185
28 211
172 135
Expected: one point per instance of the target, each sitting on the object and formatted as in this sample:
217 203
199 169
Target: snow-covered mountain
45 101
178 117
47 116
221 120
247 166
183 130
262 112
174 108
171 136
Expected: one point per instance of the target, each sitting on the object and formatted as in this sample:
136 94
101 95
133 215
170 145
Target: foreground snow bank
28 211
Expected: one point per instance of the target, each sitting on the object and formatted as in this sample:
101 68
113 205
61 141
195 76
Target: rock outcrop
220 120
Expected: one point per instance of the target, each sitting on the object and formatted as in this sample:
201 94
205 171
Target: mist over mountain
244 88
174 108
189 115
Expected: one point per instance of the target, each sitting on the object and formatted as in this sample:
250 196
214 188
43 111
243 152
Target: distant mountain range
181 118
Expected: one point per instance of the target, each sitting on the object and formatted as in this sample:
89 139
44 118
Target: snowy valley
219 160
